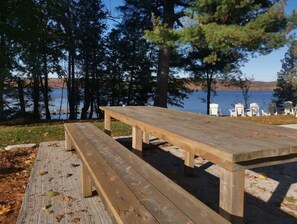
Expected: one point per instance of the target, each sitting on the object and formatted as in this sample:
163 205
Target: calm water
225 99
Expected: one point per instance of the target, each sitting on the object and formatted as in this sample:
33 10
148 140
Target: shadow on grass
10 170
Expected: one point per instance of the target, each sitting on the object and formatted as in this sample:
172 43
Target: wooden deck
53 194
272 200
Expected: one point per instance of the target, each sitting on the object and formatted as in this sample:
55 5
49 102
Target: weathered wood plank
232 190
192 207
232 140
58 170
107 124
136 138
86 183
67 142
146 138
120 200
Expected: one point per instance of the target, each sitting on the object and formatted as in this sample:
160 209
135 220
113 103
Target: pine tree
7 48
224 33
164 35
130 57
91 27
287 78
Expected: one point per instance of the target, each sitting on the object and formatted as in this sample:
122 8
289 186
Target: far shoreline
256 86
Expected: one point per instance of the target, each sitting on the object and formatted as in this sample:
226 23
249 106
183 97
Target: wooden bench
132 190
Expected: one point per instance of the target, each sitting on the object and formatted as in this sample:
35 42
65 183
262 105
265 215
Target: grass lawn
274 119
54 131
44 132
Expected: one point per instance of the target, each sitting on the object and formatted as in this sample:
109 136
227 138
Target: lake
225 99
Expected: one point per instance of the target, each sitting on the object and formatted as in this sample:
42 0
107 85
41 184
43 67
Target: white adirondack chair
288 107
214 109
237 111
254 110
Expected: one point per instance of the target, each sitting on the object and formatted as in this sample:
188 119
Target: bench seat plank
108 184
186 202
166 201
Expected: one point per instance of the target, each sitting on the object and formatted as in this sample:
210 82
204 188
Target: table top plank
234 140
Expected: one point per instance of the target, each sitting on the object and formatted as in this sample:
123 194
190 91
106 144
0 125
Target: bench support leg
107 124
137 141
189 164
232 195
68 145
86 183
146 138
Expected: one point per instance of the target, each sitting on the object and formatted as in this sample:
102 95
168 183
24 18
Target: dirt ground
15 168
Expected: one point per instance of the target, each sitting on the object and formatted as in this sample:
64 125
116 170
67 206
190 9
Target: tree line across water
135 60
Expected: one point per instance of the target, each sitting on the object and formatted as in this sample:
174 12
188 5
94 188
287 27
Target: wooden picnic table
233 144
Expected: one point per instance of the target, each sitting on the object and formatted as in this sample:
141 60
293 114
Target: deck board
58 170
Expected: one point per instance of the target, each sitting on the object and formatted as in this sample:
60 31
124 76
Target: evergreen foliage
222 34
287 78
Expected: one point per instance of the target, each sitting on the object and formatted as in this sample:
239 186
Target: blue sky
262 68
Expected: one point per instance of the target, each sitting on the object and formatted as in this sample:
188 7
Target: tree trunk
162 77
209 89
21 95
84 111
36 96
164 58
71 86
45 88
2 117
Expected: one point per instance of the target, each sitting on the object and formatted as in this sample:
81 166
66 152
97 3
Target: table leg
86 183
146 138
232 195
137 140
189 164
107 124
68 145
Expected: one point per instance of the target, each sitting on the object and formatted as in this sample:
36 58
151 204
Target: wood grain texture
146 138
218 139
67 142
178 197
136 138
189 159
86 183
119 199
232 190
167 202
107 124
61 171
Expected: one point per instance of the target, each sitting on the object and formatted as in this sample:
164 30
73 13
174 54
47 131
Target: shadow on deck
53 194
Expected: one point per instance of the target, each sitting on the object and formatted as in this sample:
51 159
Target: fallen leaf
76 220
59 217
262 176
291 199
4 209
50 179
43 173
67 198
47 207
52 194
49 211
